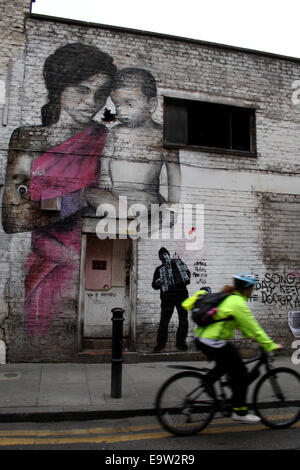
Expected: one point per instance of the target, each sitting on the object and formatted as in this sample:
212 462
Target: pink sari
52 269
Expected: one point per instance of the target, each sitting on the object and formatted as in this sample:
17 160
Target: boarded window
100 265
212 126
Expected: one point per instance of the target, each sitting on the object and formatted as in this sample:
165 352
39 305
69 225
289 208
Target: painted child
134 169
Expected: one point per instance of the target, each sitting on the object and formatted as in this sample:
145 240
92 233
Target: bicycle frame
263 359
205 394
223 404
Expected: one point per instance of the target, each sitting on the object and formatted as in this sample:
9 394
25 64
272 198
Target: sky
263 25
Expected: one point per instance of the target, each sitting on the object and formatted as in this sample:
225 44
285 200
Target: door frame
80 317
132 291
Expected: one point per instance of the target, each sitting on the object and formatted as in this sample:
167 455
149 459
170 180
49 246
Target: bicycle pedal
187 412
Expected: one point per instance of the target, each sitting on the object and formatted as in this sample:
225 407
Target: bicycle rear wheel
276 398
184 404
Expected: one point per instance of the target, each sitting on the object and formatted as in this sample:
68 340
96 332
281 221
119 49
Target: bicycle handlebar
263 355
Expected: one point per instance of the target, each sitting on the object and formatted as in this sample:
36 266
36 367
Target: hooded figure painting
171 278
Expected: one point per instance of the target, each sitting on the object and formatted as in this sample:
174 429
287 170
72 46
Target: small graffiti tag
199 272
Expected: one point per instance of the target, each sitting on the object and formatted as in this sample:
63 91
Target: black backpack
205 308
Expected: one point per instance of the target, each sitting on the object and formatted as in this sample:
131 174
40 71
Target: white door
107 272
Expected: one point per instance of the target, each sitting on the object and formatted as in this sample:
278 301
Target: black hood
163 251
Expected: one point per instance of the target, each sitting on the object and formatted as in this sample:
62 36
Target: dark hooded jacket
172 276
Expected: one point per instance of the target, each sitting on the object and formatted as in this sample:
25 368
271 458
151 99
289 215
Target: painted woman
57 164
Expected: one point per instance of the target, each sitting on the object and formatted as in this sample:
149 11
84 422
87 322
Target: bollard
117 352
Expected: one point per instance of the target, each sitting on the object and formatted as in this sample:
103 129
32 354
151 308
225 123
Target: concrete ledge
93 356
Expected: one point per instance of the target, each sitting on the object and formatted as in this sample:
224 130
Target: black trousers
168 303
228 360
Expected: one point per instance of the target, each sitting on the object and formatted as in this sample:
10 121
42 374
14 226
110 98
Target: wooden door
106 285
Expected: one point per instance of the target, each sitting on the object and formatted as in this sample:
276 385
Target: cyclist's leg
213 354
229 361
238 373
239 384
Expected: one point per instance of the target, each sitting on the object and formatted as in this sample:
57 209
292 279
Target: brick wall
13 42
251 205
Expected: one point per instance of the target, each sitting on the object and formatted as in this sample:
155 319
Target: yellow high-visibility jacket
243 319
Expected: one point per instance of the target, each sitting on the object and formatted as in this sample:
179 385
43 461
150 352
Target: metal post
117 352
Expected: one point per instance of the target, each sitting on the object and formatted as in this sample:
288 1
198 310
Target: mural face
133 108
69 164
80 103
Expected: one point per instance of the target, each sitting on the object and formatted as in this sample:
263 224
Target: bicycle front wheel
184 404
276 398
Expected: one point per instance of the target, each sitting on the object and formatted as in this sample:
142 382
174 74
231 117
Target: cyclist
212 340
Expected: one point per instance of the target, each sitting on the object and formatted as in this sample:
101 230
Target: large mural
70 164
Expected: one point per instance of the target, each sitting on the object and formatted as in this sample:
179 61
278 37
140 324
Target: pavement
75 391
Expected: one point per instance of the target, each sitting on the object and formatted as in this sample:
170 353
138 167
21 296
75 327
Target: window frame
213 150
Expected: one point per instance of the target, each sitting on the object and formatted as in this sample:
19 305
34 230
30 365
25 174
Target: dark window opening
210 125
99 265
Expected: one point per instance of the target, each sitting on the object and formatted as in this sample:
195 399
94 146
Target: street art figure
171 278
57 161
135 167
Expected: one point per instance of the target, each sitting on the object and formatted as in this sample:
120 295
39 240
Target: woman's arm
19 212
249 326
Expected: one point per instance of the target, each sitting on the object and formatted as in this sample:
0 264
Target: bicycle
187 401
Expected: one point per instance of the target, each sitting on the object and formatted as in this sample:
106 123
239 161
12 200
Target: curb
48 416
